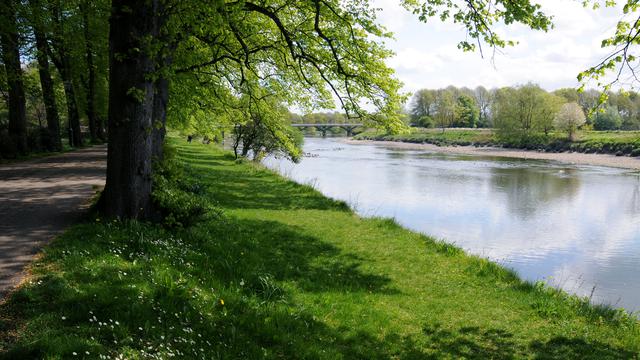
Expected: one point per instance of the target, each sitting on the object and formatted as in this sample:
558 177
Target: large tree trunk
131 110
11 58
48 93
91 83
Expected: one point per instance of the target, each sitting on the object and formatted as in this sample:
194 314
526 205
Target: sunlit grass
287 273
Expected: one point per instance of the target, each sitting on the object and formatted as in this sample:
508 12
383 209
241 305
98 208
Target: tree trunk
91 83
160 100
73 116
11 58
48 93
62 61
127 192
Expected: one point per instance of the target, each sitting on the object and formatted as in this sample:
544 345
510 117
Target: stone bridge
323 128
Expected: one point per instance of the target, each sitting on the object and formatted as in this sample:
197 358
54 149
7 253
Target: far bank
613 149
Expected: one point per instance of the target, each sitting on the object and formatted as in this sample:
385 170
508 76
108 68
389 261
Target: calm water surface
577 227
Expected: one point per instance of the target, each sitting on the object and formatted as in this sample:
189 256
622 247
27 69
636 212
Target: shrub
7 145
180 201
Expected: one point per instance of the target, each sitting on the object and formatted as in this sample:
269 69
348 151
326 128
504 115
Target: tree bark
11 57
160 101
127 192
48 93
61 59
91 83
73 116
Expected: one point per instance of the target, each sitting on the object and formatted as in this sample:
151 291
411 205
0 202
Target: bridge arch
324 128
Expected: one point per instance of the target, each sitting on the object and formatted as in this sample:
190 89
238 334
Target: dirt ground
39 199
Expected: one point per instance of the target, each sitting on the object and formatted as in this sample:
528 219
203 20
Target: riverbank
280 271
624 162
617 143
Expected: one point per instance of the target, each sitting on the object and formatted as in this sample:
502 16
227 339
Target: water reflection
634 203
528 190
575 226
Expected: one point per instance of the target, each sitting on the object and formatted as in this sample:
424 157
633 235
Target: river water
575 227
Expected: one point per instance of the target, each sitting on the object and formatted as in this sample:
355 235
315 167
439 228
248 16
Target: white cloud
427 56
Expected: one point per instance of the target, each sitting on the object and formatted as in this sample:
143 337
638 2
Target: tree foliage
467 112
494 110
619 66
609 119
423 107
569 118
479 16
483 98
525 111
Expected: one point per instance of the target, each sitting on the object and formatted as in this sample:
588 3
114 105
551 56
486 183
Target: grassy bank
621 143
284 272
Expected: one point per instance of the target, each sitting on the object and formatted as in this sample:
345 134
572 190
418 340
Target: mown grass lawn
287 273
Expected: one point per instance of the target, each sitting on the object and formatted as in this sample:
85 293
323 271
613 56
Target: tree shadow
255 249
489 343
255 188
243 331
561 347
156 274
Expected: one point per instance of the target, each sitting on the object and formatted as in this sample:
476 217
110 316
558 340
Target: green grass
609 142
288 273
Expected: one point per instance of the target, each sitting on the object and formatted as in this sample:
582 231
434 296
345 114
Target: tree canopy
214 65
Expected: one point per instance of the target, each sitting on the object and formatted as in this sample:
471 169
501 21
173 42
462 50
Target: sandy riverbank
624 162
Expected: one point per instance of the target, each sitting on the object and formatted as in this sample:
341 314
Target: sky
426 55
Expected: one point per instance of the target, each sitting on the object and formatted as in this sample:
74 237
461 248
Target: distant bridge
323 128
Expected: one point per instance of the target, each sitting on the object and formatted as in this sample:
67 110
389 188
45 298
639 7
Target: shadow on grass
135 286
255 249
253 187
138 290
483 343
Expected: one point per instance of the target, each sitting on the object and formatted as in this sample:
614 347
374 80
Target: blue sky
427 55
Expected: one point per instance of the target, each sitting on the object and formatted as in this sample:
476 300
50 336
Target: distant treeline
528 106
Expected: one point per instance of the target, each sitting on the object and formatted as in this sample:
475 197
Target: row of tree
531 106
54 57
211 65
201 66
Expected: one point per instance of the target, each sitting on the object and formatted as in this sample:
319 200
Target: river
575 227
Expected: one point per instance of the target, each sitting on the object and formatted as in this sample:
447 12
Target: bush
7 146
39 139
610 119
180 200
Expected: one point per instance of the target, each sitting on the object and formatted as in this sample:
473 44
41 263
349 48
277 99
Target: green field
622 143
276 270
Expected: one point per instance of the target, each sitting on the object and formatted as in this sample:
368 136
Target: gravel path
38 200
624 162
